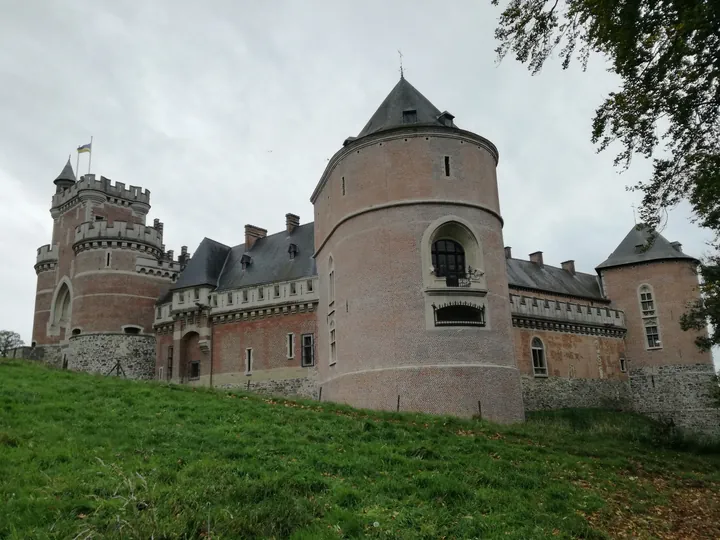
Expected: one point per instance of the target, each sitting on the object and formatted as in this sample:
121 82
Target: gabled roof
66 174
270 259
530 275
634 249
404 97
204 266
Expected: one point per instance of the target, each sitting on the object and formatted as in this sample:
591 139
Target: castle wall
164 364
387 349
100 353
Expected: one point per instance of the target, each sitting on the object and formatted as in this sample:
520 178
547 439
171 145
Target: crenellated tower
99 278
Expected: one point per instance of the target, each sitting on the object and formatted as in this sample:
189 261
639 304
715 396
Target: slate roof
67 173
204 266
271 260
632 250
552 279
404 96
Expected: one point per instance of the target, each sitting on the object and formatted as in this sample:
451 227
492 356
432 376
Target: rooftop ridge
90 182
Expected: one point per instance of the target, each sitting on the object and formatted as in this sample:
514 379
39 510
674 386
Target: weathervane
402 75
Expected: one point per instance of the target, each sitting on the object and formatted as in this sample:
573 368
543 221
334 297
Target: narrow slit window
107 259
291 345
343 185
447 165
248 361
333 347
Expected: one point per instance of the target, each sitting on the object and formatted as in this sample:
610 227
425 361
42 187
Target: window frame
333 347
290 346
248 361
309 285
538 358
303 349
193 365
650 317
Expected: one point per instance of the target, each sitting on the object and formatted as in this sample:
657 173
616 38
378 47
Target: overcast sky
228 111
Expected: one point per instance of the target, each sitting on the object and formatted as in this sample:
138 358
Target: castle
400 295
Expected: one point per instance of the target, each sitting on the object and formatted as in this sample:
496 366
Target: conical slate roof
634 249
404 97
66 174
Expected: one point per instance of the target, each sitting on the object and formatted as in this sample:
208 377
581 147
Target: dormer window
293 250
245 261
410 116
446 119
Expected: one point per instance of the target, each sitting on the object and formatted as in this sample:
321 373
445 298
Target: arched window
649 317
538 358
62 306
448 259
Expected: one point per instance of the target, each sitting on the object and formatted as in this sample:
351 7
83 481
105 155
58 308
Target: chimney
508 252
183 258
676 246
158 226
252 234
569 266
170 254
291 222
536 257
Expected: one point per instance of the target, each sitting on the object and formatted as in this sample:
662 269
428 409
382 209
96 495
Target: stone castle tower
652 281
97 282
413 292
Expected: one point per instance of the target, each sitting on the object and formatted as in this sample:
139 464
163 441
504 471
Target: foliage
84 456
666 53
8 341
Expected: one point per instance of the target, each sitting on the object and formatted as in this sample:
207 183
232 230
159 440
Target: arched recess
451 238
191 356
61 307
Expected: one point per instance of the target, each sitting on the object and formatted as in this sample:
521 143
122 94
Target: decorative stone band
564 326
263 313
45 266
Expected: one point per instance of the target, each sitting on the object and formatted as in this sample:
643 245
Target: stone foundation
540 393
304 387
681 394
101 353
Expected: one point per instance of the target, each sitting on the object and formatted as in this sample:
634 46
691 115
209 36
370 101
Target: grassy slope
84 456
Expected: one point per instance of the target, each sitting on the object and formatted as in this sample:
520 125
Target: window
159 313
194 370
308 350
213 300
229 298
248 361
245 296
448 259
196 294
76 332
309 285
649 316
291 345
459 313
409 116
447 165
647 304
99 218
276 291
261 293
181 297
331 283
538 358
293 288
107 259
623 363
160 373
652 334
333 347
132 329
169 362
292 250
343 185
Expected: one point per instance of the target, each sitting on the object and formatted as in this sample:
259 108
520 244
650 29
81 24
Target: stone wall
100 353
560 392
678 393
305 387
51 355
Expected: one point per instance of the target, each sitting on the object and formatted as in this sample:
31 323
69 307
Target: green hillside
93 457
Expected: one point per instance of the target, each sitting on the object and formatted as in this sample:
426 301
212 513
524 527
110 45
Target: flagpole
90 160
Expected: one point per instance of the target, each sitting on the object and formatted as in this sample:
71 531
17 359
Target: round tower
414 311
653 282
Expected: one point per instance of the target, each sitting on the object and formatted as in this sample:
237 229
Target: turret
66 178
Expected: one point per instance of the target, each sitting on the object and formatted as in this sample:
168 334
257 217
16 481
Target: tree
9 340
667 55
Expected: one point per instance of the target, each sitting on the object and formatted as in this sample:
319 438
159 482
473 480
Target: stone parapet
47 258
154 267
567 312
118 234
133 195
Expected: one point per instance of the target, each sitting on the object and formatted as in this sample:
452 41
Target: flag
85 148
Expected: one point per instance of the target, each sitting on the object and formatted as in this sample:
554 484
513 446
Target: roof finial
402 75
633 209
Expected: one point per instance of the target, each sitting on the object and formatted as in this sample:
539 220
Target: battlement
89 182
121 231
47 253
567 312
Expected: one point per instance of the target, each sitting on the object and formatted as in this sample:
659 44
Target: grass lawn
84 456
